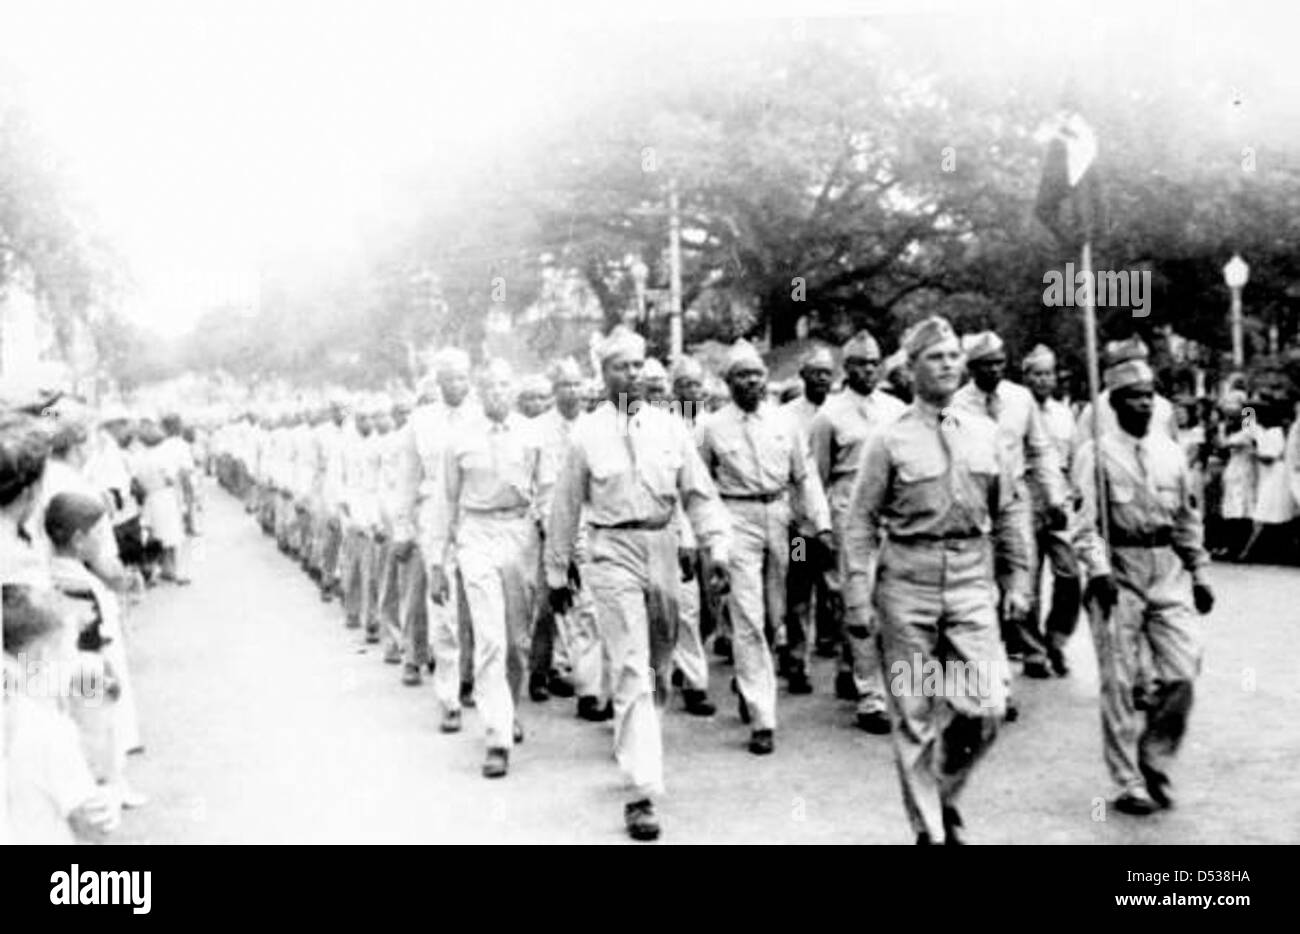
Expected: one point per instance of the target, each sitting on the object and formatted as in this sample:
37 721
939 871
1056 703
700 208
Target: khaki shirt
421 493
1018 417
935 475
493 467
760 453
846 420
1149 492
622 470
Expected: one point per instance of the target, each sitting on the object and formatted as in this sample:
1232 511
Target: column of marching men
567 537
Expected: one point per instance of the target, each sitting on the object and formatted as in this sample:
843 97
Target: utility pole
674 274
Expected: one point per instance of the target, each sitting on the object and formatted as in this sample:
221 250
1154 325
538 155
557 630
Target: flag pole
1094 391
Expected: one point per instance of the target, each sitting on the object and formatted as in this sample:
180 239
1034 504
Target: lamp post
1236 274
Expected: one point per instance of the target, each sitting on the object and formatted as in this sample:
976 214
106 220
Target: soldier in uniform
360 516
1054 545
498 479
807 595
432 428
928 513
690 664
756 460
847 421
1020 424
566 651
628 465
412 576
1142 587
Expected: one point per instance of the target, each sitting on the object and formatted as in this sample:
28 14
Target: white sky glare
205 137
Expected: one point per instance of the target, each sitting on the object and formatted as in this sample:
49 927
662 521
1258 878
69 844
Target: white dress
1239 476
158 470
1273 502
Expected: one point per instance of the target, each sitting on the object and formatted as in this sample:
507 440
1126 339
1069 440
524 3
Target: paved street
267 721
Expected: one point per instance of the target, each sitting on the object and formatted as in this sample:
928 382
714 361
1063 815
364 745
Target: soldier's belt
1160 538
510 512
637 525
754 497
931 539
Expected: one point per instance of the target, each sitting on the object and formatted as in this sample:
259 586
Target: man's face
400 415
937 371
1133 407
568 395
748 384
363 425
688 389
1041 381
817 379
656 388
988 372
861 372
495 394
623 377
454 386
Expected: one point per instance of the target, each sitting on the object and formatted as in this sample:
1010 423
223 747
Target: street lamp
1236 274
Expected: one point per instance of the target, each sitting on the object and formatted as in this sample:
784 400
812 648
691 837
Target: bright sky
207 136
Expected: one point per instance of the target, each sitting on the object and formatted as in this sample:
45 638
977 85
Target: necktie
994 404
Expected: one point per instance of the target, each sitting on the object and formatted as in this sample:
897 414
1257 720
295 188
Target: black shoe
496 764
467 693
1037 669
845 687
1013 711
923 839
518 734
558 686
722 649
1157 787
537 691
411 675
1056 658
1136 802
761 743
639 816
952 826
450 721
678 679
796 681
698 703
873 721
430 666
589 709
372 636
825 648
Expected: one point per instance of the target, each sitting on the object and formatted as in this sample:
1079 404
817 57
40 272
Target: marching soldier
1020 424
360 516
432 428
412 576
756 459
628 466
1039 369
498 479
1142 586
691 665
839 431
934 482
807 596
568 645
